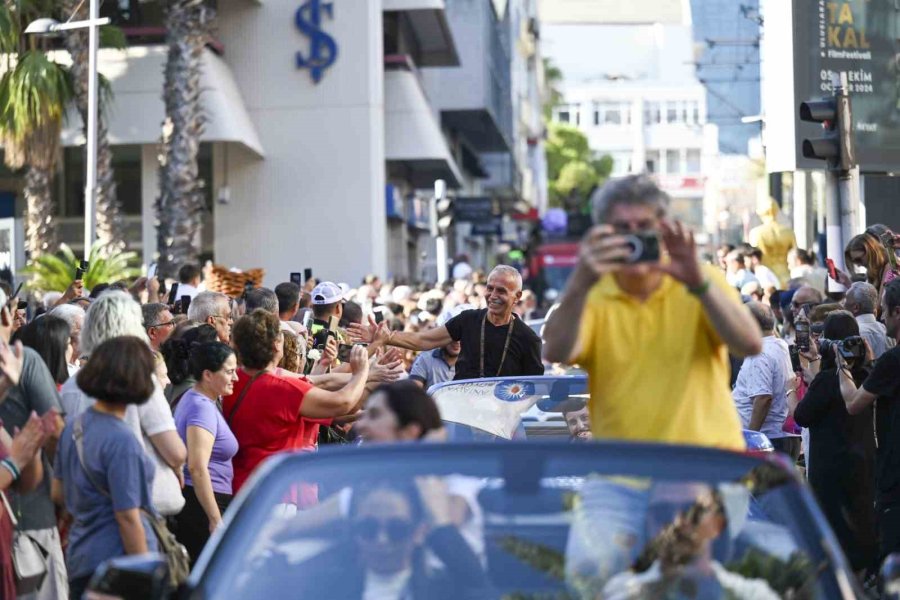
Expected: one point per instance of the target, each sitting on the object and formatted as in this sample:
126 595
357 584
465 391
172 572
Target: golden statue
774 239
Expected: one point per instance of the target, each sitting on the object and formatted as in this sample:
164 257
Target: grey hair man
493 341
159 323
764 384
214 309
623 310
74 316
861 300
263 298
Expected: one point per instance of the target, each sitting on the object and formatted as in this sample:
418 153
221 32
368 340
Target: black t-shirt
522 358
884 382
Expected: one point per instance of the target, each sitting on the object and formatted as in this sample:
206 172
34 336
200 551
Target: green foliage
553 77
113 37
791 579
55 272
572 170
36 90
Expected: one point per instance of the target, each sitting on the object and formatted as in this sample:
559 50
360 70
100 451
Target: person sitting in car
383 550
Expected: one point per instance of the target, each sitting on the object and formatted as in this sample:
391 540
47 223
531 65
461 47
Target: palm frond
56 272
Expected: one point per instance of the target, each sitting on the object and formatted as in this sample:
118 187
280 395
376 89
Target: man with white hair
213 309
861 300
493 341
74 316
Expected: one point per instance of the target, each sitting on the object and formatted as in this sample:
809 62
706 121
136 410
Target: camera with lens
851 348
643 246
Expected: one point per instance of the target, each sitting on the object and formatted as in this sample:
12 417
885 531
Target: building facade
329 167
644 108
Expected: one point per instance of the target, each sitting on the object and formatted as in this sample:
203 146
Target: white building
331 171
632 90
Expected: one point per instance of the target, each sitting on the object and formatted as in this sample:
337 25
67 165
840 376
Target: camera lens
636 245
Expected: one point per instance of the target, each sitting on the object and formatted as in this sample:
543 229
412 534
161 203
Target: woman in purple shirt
210 444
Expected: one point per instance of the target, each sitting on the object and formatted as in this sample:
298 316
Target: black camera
851 348
644 247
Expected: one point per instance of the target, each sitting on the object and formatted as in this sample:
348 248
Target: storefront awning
413 140
428 21
137 110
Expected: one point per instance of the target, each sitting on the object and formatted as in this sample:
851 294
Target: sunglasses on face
396 530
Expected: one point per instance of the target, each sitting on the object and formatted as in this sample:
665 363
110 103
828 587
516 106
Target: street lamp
52 27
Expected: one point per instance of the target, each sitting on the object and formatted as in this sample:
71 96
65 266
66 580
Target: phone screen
379 315
344 352
297 278
173 293
802 335
185 304
307 275
151 271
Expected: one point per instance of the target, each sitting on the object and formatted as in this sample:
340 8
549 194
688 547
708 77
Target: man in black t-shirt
882 388
494 343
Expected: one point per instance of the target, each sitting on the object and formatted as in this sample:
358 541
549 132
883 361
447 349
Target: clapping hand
359 361
385 367
27 441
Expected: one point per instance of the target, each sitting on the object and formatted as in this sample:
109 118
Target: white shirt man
760 393
860 300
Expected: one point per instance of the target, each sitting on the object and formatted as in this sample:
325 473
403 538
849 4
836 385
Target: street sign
473 209
858 37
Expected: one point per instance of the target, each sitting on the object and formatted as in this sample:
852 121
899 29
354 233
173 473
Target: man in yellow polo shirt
653 336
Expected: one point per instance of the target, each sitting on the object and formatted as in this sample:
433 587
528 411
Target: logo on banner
323 49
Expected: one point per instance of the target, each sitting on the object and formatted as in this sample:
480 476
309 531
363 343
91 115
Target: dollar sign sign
322 47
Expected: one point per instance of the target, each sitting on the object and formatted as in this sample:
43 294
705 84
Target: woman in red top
267 418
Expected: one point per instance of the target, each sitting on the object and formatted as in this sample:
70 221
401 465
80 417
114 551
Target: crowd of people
822 389
121 409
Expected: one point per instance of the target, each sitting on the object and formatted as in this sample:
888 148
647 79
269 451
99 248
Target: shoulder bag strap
9 509
240 398
78 437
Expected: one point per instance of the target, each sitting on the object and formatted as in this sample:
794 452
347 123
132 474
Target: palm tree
180 204
110 228
34 94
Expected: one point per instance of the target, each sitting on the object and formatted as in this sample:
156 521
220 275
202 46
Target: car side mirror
890 576
138 577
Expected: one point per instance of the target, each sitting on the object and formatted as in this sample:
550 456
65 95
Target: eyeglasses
228 319
166 324
396 530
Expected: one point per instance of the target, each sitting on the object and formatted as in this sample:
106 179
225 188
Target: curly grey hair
113 314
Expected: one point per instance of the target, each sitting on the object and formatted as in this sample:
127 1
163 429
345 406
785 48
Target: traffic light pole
838 149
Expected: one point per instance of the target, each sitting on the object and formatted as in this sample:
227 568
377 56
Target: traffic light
836 147
442 212
444 208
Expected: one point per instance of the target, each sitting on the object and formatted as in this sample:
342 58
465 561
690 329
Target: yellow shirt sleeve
717 278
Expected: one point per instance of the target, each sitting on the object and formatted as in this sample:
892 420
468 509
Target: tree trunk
110 227
40 231
180 205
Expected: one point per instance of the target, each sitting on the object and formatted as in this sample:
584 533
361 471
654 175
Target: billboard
858 37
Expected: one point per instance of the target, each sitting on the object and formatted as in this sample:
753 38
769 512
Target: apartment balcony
475 98
415 148
427 20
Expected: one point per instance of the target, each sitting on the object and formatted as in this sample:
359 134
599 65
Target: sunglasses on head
396 530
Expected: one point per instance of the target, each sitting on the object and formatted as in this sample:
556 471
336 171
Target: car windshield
521 521
507 408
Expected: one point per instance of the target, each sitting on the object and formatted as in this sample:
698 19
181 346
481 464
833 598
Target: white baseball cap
327 293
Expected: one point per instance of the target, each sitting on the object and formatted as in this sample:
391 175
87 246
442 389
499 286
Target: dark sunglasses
396 530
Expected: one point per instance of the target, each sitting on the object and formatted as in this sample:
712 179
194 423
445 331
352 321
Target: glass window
598 116
672 113
127 172
612 115
651 162
673 161
692 161
652 113
697 114
563 116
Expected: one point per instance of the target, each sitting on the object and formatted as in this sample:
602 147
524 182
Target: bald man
493 341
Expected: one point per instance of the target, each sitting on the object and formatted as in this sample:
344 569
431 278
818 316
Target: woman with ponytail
210 443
